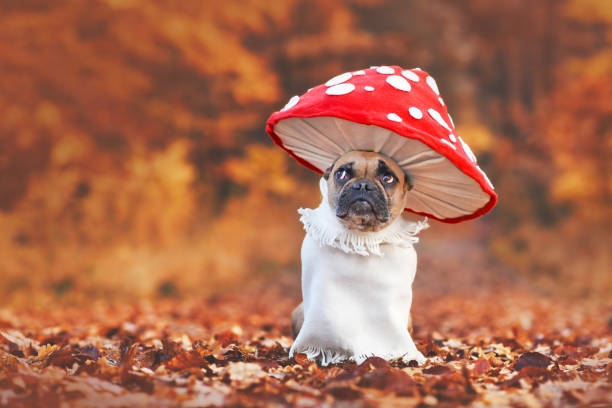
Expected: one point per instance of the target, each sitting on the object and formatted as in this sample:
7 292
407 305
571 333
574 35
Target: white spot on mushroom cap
385 70
394 117
292 102
411 75
448 143
432 84
451 120
360 72
415 112
452 138
338 79
467 150
340 89
399 82
441 101
368 88
436 115
417 68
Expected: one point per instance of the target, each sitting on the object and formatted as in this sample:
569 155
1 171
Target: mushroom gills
440 188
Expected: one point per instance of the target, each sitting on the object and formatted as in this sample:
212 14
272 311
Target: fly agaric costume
398 113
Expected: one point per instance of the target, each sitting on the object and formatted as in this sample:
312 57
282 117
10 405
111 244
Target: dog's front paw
414 356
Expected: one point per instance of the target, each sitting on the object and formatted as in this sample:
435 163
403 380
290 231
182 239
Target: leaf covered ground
509 348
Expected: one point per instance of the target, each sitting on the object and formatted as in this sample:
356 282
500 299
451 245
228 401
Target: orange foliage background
134 162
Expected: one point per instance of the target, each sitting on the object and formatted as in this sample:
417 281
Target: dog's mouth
366 209
361 206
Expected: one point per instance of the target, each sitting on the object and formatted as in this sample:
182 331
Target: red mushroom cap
396 112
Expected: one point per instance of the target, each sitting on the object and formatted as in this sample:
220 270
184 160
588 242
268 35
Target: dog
358 264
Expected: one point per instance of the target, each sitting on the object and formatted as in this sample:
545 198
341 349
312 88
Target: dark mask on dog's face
367 190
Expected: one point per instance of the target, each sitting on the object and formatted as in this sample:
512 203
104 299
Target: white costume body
356 289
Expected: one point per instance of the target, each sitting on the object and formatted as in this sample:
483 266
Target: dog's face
367 190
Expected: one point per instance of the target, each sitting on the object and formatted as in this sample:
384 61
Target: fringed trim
357 242
323 226
324 357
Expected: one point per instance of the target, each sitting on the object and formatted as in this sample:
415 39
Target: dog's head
367 190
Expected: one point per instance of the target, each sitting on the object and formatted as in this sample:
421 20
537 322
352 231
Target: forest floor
500 348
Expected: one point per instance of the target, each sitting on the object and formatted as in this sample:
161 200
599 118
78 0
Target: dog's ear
327 172
408 182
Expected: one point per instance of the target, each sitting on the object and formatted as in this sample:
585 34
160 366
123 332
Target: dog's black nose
366 185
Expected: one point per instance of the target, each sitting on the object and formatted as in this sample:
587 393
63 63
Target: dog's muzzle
362 198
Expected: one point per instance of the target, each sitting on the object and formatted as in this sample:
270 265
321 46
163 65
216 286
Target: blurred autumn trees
133 158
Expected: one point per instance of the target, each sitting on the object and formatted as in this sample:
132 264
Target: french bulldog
358 264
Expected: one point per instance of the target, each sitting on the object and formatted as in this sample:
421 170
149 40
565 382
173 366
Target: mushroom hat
399 113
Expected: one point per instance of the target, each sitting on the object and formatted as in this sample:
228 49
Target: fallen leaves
9 363
437 370
301 359
227 352
532 359
390 380
481 366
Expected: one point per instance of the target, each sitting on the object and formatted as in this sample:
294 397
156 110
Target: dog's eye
342 175
387 178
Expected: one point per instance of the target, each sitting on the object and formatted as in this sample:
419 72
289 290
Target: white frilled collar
323 226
